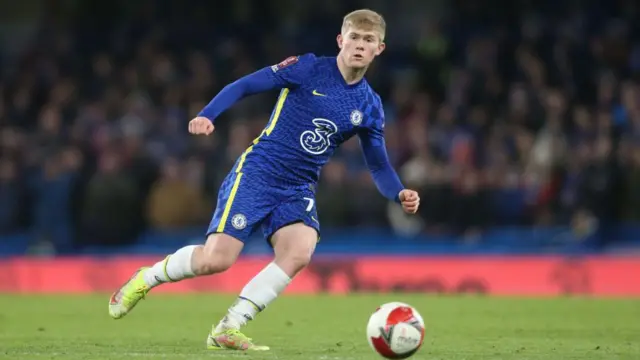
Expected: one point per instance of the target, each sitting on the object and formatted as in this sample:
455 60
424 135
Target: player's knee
300 259
215 263
294 246
293 262
219 254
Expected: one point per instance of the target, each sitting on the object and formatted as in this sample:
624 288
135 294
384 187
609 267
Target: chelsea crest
239 221
356 117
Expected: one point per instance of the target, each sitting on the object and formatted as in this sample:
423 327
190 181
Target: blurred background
518 122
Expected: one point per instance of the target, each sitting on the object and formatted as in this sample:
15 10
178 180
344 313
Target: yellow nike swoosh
314 219
316 93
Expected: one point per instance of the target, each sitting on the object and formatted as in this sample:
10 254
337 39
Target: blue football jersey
315 113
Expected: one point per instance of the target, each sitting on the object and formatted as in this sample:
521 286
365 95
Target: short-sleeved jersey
316 112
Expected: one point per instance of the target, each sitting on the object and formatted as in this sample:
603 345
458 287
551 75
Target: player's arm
288 73
385 177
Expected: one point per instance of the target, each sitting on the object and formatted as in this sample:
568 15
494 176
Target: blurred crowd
524 115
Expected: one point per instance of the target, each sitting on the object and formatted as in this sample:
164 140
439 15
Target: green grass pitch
320 328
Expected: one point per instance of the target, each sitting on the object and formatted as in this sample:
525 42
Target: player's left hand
410 201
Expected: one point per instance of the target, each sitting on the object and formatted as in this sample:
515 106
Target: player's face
359 47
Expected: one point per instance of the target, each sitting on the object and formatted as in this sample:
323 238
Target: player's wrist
205 116
398 196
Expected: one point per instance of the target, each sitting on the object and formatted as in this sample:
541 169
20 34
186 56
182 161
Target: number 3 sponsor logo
317 141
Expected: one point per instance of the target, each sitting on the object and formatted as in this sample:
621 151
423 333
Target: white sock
174 267
255 296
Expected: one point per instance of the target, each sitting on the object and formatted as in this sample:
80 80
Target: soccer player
323 102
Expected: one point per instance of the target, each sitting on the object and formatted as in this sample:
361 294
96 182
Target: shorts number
311 202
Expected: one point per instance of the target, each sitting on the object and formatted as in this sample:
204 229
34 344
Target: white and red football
395 330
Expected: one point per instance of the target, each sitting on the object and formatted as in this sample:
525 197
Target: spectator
111 203
13 196
174 202
334 201
633 187
52 189
598 185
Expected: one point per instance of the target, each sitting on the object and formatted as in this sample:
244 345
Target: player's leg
293 245
219 252
217 255
227 232
293 231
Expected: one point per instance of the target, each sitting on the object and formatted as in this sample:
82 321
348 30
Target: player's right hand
410 200
201 125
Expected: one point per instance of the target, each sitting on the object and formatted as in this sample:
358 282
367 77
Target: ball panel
406 355
376 320
418 317
405 338
381 346
399 315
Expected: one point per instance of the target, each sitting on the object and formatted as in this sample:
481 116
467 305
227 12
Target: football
395 330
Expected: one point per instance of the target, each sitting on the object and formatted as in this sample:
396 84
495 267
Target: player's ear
380 48
339 41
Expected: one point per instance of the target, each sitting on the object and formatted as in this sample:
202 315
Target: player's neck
350 75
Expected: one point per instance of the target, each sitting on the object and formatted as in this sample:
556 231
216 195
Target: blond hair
365 19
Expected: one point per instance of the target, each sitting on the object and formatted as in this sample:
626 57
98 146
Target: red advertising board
528 276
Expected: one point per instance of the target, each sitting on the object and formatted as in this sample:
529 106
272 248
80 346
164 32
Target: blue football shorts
245 203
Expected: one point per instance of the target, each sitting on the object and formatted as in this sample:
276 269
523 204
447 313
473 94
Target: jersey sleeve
292 71
288 73
377 160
